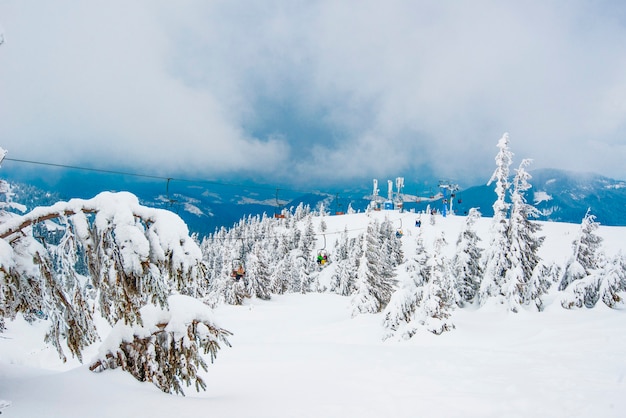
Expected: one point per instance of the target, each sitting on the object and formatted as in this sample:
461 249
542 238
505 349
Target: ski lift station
396 199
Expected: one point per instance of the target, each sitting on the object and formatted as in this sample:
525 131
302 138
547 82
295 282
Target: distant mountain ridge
560 196
564 196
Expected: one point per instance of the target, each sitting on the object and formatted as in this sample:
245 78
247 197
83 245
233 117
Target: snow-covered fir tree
523 244
582 276
466 266
439 299
392 245
323 226
586 252
257 278
374 285
496 262
399 317
342 280
280 279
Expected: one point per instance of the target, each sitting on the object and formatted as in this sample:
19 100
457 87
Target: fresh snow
303 355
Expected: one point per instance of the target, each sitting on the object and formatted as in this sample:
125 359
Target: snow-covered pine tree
438 300
340 256
392 245
496 262
136 256
585 255
305 261
542 281
323 226
257 278
280 280
466 265
582 275
345 276
524 243
400 314
301 212
373 286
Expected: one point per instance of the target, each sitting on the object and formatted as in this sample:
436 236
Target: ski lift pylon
338 210
278 213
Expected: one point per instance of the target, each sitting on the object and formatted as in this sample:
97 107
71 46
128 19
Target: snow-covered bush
588 276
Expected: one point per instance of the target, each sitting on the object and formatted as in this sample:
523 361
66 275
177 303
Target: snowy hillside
307 355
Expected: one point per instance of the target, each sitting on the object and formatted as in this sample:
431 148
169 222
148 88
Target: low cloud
314 90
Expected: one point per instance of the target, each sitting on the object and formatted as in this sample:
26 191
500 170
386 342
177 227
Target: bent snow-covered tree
134 256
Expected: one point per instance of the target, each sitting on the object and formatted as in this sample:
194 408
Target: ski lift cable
169 179
153 176
258 238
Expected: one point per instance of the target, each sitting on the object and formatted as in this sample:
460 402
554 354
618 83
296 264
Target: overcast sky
327 91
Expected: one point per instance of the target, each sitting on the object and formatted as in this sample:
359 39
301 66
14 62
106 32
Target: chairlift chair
238 269
322 255
322 258
238 266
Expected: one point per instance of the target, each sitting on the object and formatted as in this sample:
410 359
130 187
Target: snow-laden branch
106 202
167 350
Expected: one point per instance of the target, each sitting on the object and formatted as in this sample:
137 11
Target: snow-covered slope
303 355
